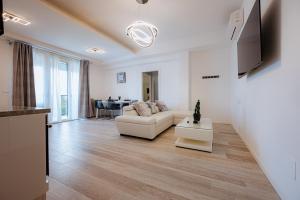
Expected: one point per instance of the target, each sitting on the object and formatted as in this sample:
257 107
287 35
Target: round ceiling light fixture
142 33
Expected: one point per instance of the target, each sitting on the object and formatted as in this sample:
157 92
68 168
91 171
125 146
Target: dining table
122 103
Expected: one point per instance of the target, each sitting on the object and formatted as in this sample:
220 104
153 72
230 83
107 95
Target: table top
119 101
205 123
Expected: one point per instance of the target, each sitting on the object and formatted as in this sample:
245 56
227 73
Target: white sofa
130 123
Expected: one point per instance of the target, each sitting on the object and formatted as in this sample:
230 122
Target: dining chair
112 107
125 104
99 107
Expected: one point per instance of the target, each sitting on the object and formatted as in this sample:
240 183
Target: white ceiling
77 25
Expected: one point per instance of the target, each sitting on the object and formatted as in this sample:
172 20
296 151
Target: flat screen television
249 46
1 18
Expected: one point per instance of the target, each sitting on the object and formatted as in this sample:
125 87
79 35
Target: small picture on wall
121 77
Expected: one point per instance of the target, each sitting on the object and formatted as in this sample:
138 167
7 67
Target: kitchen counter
23 153
16 111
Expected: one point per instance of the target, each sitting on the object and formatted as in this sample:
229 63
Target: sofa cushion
142 109
162 106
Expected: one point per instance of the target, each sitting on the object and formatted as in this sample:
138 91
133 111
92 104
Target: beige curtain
23 76
85 105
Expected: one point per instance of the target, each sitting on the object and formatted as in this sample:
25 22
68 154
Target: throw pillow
162 106
153 107
142 109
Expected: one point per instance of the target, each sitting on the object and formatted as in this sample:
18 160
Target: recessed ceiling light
95 50
14 18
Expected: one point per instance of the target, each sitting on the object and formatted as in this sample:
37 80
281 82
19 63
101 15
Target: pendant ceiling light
142 33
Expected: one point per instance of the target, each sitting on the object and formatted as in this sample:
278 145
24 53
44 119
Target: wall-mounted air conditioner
235 24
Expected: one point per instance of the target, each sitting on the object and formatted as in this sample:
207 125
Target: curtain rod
58 53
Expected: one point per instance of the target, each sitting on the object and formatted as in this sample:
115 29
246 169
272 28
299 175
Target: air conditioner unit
235 24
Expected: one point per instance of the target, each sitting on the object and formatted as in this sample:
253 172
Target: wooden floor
89 160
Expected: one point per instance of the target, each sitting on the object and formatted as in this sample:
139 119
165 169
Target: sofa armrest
136 119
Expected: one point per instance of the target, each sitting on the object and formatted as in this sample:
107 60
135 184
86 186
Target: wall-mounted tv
1 18
249 46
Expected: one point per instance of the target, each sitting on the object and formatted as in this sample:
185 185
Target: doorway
150 86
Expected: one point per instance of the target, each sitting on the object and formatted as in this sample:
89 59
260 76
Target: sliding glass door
57 85
63 90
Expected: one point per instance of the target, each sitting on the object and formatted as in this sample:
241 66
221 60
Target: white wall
266 104
96 78
6 73
213 93
180 80
173 76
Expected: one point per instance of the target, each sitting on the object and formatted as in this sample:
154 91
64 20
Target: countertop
15 111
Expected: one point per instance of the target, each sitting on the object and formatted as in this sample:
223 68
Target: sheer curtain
73 88
54 85
41 78
53 75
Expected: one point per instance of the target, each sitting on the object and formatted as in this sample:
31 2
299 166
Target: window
57 85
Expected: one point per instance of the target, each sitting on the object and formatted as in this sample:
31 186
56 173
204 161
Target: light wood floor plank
90 161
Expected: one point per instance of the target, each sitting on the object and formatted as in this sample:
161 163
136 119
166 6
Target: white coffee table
195 136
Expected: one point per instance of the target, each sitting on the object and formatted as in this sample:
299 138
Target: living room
207 128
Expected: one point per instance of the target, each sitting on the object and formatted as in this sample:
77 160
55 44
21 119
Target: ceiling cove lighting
95 51
142 33
14 18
